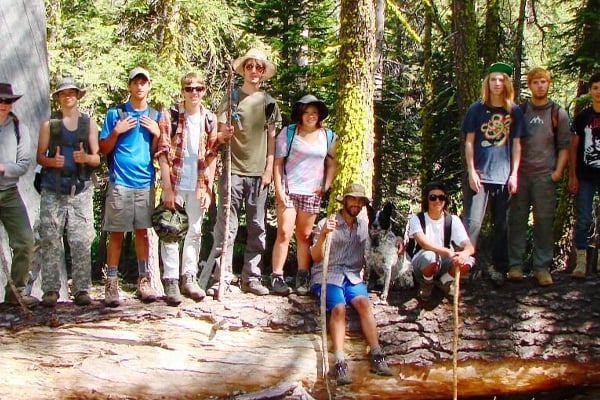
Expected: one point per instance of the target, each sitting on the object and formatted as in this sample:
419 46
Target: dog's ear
370 213
388 208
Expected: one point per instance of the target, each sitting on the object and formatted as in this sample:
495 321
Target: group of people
513 152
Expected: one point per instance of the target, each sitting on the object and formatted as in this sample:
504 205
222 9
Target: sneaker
190 288
145 292
303 282
543 277
425 289
254 287
378 365
230 288
82 298
111 292
278 285
580 269
27 301
341 373
515 274
496 276
50 298
172 294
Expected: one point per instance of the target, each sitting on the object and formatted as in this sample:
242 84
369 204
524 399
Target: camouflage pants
74 215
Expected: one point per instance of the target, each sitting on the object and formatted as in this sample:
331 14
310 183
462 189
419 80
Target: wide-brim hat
256 54
309 99
68 83
501 67
6 92
354 190
139 71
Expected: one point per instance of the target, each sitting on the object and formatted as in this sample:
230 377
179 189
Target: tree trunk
354 125
25 65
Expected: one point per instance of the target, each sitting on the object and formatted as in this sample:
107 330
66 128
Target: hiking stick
26 312
227 200
323 310
455 341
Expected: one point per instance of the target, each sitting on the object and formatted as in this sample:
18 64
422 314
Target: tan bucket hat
256 54
354 190
68 83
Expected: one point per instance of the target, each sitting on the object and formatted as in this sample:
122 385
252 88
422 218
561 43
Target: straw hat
354 190
270 68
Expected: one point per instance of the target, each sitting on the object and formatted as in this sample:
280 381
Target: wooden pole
323 310
456 333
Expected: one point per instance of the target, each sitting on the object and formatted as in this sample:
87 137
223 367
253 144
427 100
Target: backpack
412 247
84 172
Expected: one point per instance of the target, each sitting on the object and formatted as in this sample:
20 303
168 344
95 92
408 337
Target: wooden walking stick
456 332
323 310
227 174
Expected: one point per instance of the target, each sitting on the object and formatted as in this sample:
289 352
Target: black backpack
412 247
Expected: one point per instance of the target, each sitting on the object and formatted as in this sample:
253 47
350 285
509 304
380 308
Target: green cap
501 67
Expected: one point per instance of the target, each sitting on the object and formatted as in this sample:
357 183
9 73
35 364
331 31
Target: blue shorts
340 295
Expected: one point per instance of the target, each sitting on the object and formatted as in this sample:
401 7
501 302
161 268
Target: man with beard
345 284
544 156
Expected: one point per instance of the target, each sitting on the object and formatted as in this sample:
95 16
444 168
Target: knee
338 311
361 304
430 269
284 235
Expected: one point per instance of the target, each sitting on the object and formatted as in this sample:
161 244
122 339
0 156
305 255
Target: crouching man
436 234
345 284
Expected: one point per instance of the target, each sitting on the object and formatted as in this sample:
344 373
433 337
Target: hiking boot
378 365
190 288
82 298
580 269
278 285
230 288
111 292
341 373
172 294
303 282
543 277
496 276
448 288
10 298
515 274
145 291
425 289
254 287
50 298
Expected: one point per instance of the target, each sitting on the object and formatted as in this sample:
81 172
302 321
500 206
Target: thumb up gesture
59 160
79 155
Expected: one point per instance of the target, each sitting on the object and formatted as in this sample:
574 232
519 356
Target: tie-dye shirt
305 166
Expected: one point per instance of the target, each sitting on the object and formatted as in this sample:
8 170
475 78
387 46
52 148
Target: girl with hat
303 171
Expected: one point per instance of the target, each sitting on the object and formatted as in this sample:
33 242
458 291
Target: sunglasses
6 101
440 197
190 89
251 66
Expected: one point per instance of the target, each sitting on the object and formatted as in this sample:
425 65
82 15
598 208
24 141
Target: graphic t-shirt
587 127
494 129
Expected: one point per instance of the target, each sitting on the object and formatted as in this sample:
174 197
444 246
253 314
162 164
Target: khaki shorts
126 209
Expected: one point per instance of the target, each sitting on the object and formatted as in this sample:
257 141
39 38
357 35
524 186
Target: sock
111 272
427 278
339 356
446 278
143 267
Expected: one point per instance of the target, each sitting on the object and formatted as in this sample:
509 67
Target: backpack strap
16 125
291 132
447 229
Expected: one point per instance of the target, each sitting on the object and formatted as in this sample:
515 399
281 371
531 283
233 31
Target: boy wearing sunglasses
15 158
187 157
252 139
433 260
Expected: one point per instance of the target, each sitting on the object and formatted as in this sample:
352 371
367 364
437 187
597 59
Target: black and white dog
382 251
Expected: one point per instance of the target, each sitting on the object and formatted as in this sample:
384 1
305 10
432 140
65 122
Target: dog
382 249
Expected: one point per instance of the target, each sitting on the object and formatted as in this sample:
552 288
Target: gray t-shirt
539 147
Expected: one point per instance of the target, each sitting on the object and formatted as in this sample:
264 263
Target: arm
561 164
23 158
474 180
515 161
318 249
573 181
168 194
91 158
107 144
57 161
329 171
277 179
268 172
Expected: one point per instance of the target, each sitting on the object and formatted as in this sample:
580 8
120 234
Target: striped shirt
347 254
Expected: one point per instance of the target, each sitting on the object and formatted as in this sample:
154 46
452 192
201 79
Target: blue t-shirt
131 164
494 129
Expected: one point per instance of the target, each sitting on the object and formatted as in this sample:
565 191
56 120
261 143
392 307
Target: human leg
255 218
500 202
80 235
51 228
286 219
544 206
583 223
304 227
518 216
425 264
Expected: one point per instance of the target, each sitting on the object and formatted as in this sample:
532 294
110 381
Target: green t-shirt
249 146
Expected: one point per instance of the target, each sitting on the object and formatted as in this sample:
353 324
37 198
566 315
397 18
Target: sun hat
138 71
501 67
354 190
309 99
68 83
6 92
256 54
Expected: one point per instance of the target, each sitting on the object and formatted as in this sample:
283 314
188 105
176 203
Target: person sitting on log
345 284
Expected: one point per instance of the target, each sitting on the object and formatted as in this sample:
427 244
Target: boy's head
595 78
538 73
139 83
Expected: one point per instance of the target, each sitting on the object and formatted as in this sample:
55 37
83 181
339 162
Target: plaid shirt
174 145
347 254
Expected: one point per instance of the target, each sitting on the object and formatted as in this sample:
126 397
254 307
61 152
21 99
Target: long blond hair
509 92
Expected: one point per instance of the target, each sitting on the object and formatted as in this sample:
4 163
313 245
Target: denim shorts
340 295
